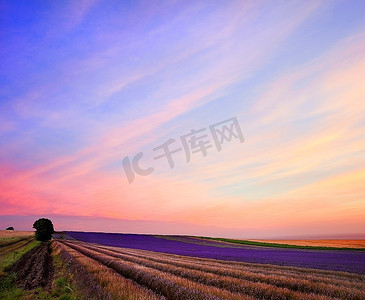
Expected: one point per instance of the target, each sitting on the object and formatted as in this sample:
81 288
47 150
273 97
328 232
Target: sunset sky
86 84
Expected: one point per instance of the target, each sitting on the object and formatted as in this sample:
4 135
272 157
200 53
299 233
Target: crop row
14 245
118 286
318 274
334 287
240 285
83 280
215 277
167 285
315 275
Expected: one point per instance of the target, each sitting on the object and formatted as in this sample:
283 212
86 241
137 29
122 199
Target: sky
222 118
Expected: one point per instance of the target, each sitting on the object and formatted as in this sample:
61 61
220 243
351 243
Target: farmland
336 260
360 244
4 234
9 236
13 245
79 265
149 274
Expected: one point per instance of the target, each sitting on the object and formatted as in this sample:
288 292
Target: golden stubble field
5 234
319 243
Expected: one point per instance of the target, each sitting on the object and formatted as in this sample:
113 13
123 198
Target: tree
44 229
10 228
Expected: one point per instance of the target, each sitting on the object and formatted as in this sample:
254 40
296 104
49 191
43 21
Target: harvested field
14 245
8 237
321 243
83 281
35 268
161 275
14 233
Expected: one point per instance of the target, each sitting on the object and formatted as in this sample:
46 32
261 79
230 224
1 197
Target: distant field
14 233
320 243
9 237
277 244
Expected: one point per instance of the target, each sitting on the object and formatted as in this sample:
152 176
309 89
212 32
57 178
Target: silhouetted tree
10 228
44 229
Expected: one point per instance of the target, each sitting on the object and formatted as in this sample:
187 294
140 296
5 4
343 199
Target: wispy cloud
112 81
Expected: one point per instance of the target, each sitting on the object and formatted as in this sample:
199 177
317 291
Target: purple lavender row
337 260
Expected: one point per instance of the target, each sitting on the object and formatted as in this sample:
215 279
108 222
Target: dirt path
35 268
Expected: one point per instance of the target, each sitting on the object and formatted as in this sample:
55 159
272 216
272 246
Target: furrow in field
118 286
15 246
255 289
295 272
296 285
270 270
337 287
168 285
85 283
5 243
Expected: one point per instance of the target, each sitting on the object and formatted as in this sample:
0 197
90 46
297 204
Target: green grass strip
10 258
12 240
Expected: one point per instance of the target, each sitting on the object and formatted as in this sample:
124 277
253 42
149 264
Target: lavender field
336 260
130 272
